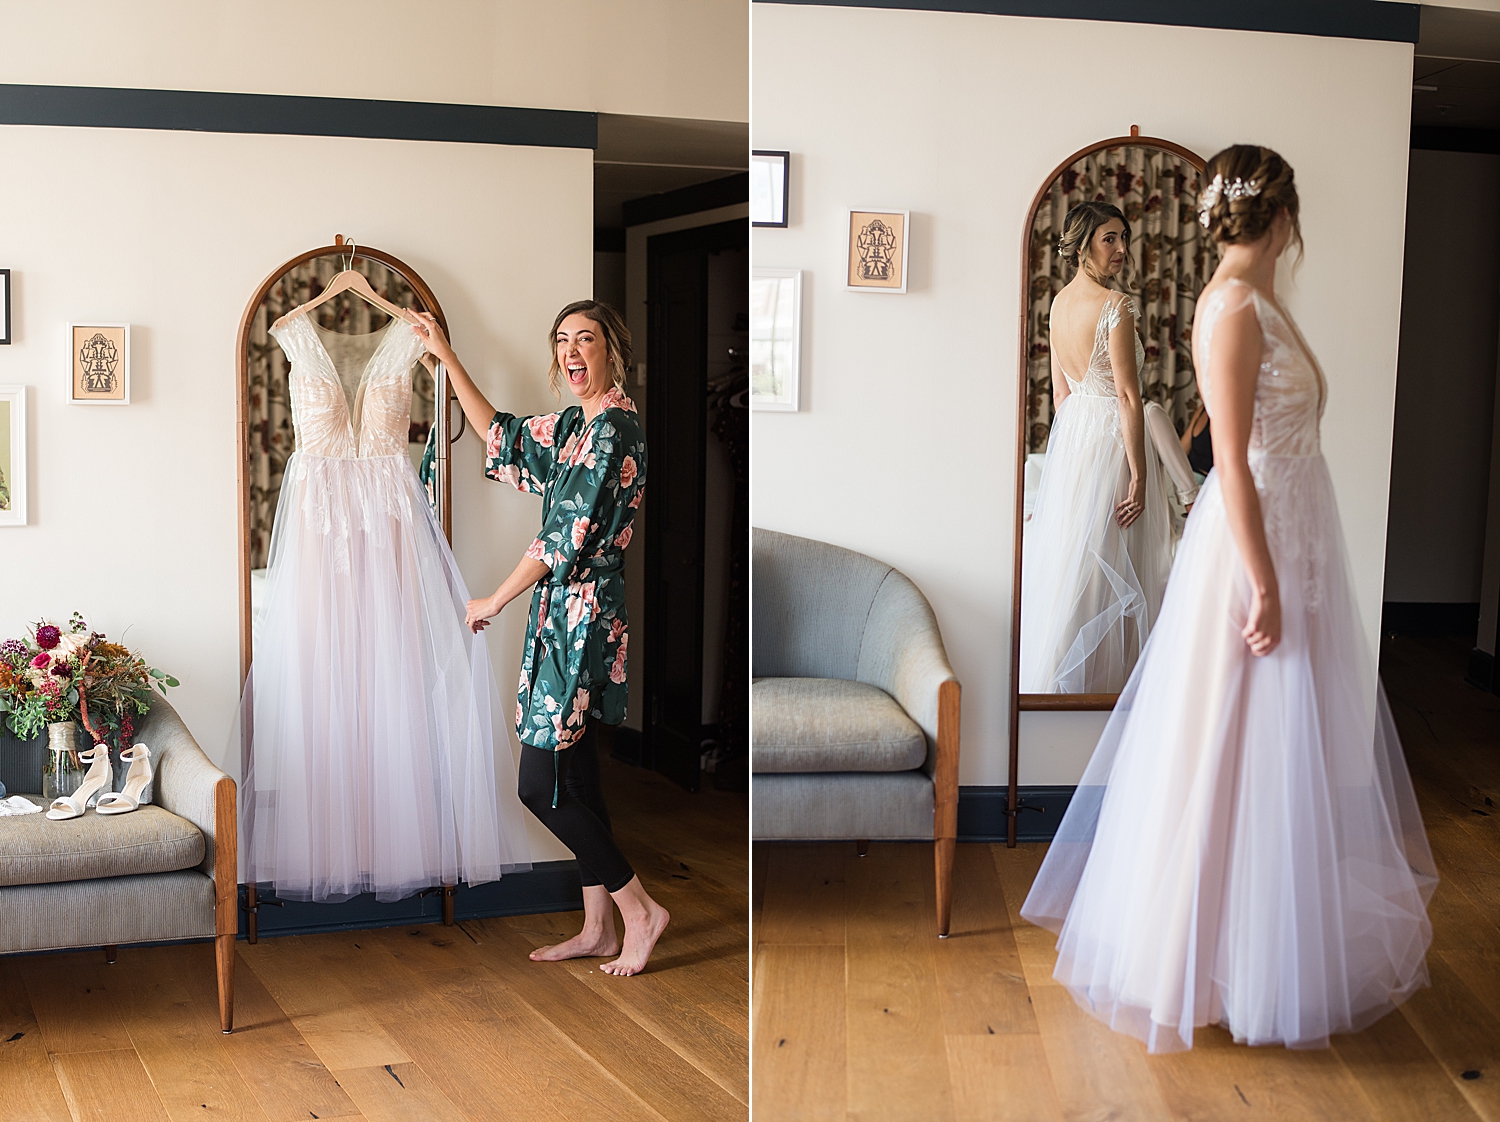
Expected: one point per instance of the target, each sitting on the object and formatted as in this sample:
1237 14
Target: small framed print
770 176
12 455
775 338
877 250
4 307
100 354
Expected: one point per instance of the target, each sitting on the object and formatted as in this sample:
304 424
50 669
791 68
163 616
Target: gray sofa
855 709
164 872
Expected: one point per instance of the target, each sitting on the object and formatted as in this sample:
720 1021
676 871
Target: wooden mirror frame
427 302
1045 702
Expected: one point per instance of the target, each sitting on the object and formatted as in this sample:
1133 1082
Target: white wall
134 510
1445 384
660 58
905 445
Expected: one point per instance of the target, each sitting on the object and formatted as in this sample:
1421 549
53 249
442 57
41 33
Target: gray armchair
164 872
855 708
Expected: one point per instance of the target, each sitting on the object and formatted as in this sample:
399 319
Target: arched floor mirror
266 436
1155 183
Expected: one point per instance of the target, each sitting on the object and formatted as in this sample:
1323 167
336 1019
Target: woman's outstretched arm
525 574
1233 367
475 406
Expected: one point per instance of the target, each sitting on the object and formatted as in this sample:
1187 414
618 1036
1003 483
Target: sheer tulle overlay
1244 847
370 722
1091 590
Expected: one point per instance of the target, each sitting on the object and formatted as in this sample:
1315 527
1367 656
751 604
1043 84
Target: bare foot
640 939
582 945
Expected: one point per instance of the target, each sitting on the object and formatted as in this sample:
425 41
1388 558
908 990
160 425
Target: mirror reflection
1116 262
346 323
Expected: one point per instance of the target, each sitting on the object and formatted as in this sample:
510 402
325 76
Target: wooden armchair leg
224 962
942 853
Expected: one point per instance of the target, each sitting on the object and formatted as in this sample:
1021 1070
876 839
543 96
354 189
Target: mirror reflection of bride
1098 546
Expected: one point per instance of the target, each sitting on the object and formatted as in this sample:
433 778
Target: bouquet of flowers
72 673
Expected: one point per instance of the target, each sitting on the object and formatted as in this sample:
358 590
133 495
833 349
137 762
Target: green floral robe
591 477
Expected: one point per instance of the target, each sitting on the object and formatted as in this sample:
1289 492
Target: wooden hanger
353 282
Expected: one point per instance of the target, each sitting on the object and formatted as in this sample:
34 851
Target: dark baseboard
1399 617
550 886
982 817
1481 670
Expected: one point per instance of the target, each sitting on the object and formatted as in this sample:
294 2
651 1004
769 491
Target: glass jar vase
62 770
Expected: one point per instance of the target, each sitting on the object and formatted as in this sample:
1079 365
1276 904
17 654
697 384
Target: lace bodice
1099 379
350 394
1289 391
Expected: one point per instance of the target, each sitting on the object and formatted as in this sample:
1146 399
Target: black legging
580 820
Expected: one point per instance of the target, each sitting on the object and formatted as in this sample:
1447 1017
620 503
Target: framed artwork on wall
770 176
877 250
100 363
13 456
4 307
775 339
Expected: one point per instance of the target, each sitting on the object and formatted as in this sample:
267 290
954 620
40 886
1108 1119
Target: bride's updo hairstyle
611 325
1243 188
1078 234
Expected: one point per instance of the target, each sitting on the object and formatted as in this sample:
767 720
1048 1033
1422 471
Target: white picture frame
98 356
775 339
879 241
13 476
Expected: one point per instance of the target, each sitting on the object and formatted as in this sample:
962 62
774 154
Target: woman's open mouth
578 375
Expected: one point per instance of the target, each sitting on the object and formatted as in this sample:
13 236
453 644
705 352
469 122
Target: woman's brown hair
1246 218
616 341
1078 234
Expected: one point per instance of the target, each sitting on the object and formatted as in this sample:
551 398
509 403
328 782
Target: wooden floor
861 1013
412 1024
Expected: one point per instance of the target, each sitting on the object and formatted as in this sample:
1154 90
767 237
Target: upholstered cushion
95 913
894 806
824 724
36 850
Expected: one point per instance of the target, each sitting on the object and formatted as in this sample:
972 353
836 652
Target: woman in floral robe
588 463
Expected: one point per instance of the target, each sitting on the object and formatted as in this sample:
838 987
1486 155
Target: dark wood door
676 434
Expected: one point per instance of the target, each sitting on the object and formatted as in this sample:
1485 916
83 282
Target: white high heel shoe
101 777
129 798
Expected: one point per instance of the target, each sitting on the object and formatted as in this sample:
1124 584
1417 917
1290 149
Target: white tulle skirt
1245 848
370 723
1090 591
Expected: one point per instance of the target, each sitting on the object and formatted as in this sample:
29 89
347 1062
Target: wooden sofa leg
110 951
224 961
862 847
449 891
942 852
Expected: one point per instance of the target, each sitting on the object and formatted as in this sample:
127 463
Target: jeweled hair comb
1238 189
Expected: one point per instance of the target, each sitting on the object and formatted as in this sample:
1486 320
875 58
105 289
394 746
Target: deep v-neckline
331 370
1307 353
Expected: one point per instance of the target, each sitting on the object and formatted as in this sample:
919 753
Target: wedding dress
1244 848
1090 590
370 720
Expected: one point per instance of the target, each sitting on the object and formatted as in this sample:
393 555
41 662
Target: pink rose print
583 453
538 552
580 531
622 539
507 473
617 669
616 629
627 471
580 604
494 441
636 500
543 429
580 708
520 714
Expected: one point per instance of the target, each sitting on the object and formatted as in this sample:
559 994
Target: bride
1098 547
1245 848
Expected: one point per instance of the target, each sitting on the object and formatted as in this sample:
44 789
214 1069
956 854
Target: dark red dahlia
48 636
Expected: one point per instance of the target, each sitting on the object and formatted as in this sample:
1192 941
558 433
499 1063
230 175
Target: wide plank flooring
861 1013
415 1024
